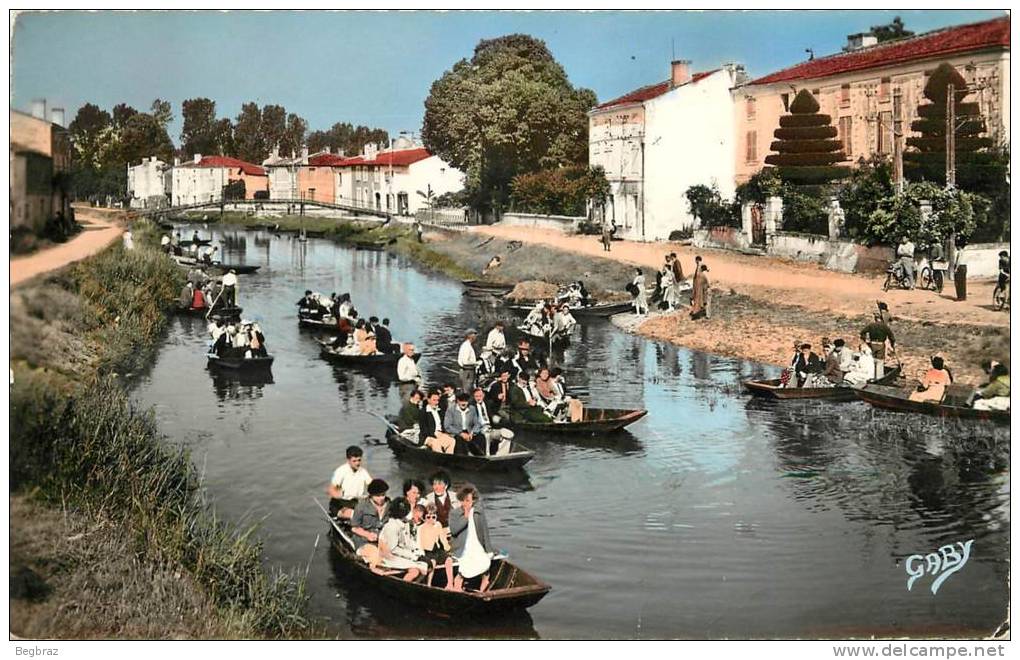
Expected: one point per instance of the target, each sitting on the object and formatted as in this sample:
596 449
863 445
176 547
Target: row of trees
106 142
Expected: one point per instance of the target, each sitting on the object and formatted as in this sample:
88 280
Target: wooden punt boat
510 587
368 361
771 388
491 288
200 242
240 363
225 313
600 310
317 324
595 421
953 404
558 341
515 460
240 269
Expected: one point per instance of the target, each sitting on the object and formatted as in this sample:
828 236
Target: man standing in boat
467 360
877 335
230 288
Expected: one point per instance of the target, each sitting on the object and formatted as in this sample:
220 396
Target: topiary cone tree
976 165
806 145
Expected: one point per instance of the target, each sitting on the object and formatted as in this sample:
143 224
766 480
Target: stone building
657 141
205 177
40 157
149 184
857 87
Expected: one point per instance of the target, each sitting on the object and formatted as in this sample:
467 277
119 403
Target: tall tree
162 112
508 110
274 126
889 31
806 146
249 140
198 134
122 112
346 137
88 130
293 138
223 137
143 136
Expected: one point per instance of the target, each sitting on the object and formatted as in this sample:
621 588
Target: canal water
716 516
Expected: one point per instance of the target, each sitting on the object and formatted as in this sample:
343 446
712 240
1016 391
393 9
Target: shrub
561 191
805 146
804 211
860 195
707 204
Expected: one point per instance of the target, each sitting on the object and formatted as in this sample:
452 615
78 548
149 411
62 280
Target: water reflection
786 519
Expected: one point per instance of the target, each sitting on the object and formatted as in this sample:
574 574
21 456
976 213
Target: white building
149 184
390 180
283 174
657 141
205 177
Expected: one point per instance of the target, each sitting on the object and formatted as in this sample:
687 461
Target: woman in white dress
469 535
398 548
640 295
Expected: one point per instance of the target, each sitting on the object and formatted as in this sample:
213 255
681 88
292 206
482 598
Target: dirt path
101 229
803 285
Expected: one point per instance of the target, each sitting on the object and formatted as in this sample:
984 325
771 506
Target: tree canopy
346 137
889 31
509 110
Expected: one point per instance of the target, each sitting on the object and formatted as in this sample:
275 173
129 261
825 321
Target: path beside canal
101 228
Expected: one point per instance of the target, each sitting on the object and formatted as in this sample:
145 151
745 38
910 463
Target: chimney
680 73
39 108
859 40
276 152
304 155
57 116
197 158
177 161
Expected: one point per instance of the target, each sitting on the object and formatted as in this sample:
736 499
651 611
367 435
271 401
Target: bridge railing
216 203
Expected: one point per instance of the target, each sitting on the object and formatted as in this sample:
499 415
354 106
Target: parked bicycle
1000 296
932 278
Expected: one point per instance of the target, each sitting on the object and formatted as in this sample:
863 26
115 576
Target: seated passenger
441 497
495 441
460 422
397 548
523 406
413 490
198 299
410 413
430 425
367 521
834 362
433 542
933 383
994 395
862 367
349 484
368 345
574 406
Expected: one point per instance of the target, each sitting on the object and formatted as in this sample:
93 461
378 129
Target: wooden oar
386 422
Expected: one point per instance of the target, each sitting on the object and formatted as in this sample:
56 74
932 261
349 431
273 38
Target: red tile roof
956 39
650 92
229 163
401 158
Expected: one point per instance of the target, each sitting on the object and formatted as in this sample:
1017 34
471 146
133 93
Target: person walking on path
607 235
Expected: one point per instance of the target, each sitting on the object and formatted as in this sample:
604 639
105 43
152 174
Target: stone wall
982 259
442 216
723 238
565 223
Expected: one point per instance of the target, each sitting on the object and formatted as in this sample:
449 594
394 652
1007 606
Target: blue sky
375 68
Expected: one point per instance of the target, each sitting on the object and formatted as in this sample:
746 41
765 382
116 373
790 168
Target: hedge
804 121
936 127
963 144
805 146
938 111
805 159
813 174
806 133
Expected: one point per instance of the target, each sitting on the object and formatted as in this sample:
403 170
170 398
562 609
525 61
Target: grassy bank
131 502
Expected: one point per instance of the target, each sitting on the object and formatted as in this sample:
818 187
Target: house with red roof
858 88
398 180
204 178
658 140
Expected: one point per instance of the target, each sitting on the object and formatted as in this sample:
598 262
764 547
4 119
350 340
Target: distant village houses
149 184
40 157
205 179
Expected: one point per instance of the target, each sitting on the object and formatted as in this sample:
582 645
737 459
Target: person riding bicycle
905 258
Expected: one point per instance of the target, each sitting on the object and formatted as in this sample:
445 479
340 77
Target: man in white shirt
905 253
496 340
407 368
467 360
349 484
230 288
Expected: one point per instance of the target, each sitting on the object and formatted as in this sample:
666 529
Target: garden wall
724 238
982 259
564 223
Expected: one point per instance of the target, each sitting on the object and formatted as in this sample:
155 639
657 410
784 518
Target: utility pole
951 164
897 134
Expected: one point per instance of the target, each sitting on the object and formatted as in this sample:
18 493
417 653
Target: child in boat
397 549
433 542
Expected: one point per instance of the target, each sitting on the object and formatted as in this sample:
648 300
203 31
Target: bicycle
895 275
1000 296
931 279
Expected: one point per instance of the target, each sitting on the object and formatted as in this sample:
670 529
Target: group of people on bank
353 335
670 283
439 537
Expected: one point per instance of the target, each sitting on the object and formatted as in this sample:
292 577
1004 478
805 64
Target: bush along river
717 515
